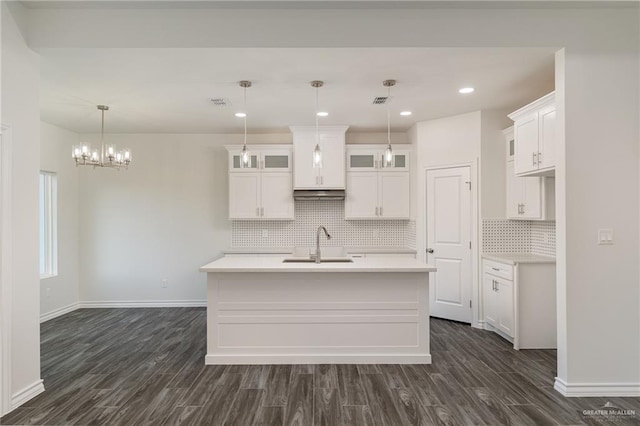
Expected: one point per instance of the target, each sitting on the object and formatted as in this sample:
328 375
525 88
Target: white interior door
449 242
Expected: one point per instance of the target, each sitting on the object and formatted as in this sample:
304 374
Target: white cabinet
332 142
374 191
263 158
263 191
519 302
528 198
359 159
535 137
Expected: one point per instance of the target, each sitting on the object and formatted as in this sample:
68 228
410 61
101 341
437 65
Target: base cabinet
519 303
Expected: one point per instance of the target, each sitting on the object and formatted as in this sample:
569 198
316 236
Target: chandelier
108 156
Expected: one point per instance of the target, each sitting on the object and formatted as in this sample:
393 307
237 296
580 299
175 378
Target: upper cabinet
374 191
530 197
535 137
267 159
264 190
332 142
360 160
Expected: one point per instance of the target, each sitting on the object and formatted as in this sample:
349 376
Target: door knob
429 250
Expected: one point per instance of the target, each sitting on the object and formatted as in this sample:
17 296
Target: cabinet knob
430 250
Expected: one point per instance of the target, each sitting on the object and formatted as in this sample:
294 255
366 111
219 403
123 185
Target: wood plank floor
146 366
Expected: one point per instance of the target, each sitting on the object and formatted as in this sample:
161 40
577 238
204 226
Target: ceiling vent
381 100
221 102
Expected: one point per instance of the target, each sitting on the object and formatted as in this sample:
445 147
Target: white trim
241 359
596 389
144 304
5 268
122 304
27 393
59 312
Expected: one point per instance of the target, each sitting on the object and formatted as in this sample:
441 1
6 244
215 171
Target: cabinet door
304 175
363 160
277 196
394 195
547 141
505 303
400 161
361 200
515 193
526 137
489 300
332 173
244 195
234 161
532 198
275 160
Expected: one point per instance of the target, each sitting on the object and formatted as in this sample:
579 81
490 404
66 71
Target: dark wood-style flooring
146 366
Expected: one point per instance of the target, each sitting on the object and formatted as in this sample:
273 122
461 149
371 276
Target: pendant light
387 160
317 152
245 156
108 156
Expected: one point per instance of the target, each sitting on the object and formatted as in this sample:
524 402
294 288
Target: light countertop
275 264
350 250
514 258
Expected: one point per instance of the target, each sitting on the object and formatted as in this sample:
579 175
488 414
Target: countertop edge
516 258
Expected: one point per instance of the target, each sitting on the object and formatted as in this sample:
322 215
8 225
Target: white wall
21 111
492 165
61 291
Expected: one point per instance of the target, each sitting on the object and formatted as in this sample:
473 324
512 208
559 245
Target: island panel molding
261 311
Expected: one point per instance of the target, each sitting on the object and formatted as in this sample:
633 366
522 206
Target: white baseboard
241 359
596 389
124 304
58 312
145 304
31 391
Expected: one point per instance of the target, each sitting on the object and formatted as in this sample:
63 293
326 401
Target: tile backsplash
311 214
519 236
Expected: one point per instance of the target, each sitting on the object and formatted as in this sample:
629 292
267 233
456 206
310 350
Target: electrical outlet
605 237
48 292
265 233
164 283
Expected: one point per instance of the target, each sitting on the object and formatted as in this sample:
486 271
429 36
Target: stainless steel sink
307 260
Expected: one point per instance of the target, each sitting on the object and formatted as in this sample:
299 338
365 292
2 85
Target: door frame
5 268
475 235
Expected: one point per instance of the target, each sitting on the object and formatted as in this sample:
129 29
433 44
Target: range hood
318 194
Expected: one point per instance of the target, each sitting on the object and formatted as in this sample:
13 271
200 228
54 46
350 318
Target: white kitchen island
263 311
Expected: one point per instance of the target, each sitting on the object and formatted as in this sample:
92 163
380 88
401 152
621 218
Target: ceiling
169 90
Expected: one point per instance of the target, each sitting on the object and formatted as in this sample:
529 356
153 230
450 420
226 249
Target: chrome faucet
320 228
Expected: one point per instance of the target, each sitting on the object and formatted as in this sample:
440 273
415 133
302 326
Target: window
48 225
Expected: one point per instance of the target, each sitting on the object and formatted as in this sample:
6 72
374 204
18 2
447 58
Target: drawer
498 269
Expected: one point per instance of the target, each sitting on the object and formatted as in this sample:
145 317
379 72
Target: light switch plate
605 236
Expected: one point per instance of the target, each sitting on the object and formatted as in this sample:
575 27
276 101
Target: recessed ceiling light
322 114
466 90
241 114
405 113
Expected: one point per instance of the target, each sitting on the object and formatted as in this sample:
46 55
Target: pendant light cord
102 139
245 117
389 115
317 134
